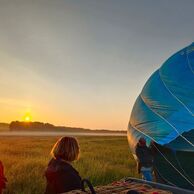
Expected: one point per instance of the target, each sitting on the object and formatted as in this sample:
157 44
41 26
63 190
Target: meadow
102 160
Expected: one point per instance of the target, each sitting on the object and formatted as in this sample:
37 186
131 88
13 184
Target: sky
83 63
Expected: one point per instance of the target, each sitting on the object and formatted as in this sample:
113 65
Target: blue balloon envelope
164 113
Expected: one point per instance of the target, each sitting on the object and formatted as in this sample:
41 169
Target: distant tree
13 125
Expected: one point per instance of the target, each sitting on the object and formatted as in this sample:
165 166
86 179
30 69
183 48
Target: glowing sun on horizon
27 118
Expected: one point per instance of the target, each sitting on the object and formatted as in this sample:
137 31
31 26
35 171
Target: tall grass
102 160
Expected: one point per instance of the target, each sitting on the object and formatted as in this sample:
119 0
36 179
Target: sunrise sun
27 117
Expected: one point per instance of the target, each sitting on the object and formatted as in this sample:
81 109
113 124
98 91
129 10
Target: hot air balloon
164 113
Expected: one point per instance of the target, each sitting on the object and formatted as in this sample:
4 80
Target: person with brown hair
61 176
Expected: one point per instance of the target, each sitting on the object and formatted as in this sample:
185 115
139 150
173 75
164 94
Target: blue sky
83 63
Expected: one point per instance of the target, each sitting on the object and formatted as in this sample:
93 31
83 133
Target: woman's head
66 148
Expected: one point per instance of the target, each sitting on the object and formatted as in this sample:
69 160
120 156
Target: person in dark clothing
144 159
61 176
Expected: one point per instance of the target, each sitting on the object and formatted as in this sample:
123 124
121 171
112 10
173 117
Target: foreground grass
102 160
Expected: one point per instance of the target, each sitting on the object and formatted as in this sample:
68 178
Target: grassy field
102 160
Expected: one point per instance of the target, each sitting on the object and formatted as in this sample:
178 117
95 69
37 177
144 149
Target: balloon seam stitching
167 122
180 166
144 133
159 72
174 167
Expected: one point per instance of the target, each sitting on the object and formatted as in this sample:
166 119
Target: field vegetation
102 160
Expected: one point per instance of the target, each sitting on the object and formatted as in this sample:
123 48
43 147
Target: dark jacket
61 177
144 156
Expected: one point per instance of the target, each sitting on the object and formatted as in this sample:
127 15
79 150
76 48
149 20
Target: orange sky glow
83 63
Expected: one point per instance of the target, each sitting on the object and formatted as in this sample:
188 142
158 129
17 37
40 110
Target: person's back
144 155
61 176
145 159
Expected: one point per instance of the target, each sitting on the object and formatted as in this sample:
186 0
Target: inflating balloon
164 113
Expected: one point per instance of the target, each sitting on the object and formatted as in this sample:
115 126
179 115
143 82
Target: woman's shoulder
60 165
67 167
